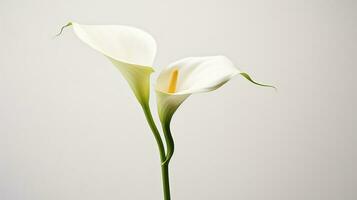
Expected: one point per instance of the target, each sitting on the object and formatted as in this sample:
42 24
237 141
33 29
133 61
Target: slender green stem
164 167
154 130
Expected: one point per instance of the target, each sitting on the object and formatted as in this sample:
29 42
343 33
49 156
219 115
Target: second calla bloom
192 75
189 76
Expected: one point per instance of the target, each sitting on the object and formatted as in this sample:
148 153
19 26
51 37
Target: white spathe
130 49
195 75
123 43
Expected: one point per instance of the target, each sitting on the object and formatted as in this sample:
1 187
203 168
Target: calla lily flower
130 49
192 75
189 76
133 51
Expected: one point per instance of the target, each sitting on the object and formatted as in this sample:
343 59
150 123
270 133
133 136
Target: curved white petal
130 49
123 43
197 74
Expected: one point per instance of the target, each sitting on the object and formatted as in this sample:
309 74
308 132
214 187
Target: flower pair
133 52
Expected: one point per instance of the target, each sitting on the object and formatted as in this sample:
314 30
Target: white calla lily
192 75
189 76
196 74
133 52
130 49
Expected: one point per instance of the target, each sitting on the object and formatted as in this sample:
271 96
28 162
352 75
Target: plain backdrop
71 129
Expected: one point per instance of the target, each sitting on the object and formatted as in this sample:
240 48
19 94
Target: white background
71 129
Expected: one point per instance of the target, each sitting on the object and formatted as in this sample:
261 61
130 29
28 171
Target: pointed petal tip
245 75
62 28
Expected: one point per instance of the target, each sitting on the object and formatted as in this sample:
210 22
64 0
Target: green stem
164 167
154 130
166 181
